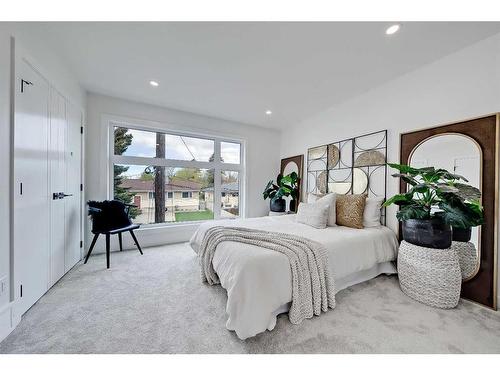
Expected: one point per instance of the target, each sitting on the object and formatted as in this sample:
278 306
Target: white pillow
313 214
311 197
328 199
371 214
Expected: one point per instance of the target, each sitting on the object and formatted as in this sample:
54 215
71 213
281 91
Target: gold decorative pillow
350 209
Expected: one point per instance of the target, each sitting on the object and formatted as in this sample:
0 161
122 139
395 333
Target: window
175 177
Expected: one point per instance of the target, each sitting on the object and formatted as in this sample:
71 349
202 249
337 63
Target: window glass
189 148
230 152
189 193
230 188
131 142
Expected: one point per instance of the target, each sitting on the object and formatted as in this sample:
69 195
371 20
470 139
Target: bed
258 281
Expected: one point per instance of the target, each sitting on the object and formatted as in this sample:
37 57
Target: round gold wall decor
333 156
321 181
317 152
360 181
367 158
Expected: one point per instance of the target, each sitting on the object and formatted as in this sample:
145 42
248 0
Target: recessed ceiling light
269 112
392 29
154 83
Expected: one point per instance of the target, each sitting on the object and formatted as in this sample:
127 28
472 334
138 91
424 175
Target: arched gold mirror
294 164
469 148
464 157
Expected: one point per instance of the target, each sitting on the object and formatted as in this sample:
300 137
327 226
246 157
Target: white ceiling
237 71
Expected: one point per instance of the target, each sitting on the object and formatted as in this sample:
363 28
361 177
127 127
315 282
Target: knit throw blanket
313 287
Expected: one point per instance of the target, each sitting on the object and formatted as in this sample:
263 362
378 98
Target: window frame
216 165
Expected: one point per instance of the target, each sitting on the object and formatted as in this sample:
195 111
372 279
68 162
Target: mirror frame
299 160
482 287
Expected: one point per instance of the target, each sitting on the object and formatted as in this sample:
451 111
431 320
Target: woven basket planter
467 257
430 276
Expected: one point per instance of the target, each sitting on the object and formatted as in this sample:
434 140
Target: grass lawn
193 216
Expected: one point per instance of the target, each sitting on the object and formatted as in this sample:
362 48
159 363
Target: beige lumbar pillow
328 199
313 214
371 216
350 210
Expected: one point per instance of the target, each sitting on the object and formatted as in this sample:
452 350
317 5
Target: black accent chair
110 217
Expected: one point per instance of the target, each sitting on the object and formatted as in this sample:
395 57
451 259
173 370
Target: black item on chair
110 217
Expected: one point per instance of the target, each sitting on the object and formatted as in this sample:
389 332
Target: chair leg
136 242
107 250
94 240
120 240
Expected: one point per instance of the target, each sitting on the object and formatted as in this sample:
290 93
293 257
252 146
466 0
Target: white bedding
258 281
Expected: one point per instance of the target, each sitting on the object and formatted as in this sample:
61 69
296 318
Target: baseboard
8 320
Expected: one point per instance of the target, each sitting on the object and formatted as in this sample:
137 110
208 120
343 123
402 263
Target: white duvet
258 281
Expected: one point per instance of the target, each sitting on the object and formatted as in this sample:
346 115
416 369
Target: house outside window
175 177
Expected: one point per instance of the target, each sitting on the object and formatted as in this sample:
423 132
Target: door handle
60 195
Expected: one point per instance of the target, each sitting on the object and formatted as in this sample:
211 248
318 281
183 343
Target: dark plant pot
432 233
293 203
277 205
461 234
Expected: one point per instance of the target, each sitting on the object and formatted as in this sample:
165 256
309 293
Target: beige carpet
155 303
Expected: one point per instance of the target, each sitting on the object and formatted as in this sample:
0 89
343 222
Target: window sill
145 227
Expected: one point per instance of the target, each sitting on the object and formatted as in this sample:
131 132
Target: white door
73 202
31 194
57 172
47 177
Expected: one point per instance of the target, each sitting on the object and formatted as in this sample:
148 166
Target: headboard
351 166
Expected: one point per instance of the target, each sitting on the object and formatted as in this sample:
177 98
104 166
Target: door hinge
81 244
24 82
21 290
81 187
81 129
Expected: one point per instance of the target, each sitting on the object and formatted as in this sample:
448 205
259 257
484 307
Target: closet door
73 202
57 172
31 194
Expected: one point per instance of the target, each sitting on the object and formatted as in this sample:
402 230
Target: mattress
258 281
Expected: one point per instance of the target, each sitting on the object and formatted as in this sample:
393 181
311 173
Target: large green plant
437 193
285 186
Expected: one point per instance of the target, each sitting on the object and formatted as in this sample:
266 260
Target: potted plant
285 186
434 203
290 183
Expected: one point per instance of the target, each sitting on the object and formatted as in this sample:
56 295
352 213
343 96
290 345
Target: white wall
262 157
63 79
463 85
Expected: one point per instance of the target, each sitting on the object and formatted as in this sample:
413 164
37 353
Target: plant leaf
397 199
467 192
404 168
406 178
412 211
